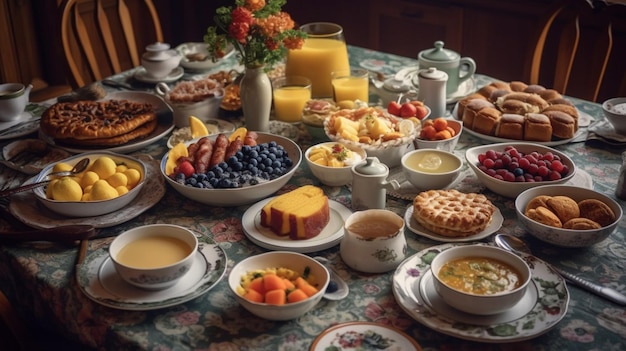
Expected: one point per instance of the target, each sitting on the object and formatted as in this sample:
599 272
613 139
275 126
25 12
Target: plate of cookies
121 122
452 216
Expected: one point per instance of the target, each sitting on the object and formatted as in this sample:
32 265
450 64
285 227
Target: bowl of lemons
110 182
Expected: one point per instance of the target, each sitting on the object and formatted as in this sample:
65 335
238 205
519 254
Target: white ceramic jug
369 184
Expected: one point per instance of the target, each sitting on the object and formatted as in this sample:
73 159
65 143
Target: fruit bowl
245 194
334 176
448 144
92 207
513 188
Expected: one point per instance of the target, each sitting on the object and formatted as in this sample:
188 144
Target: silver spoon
516 246
79 167
342 288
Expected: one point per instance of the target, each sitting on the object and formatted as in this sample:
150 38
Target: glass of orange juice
290 95
350 85
323 52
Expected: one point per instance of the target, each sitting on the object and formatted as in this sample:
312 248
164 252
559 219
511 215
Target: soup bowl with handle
477 302
155 256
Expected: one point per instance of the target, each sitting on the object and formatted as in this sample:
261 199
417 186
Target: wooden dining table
40 279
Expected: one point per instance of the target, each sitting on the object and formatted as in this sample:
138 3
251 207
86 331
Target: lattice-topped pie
98 123
452 213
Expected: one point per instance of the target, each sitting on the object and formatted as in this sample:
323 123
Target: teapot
159 60
369 184
13 100
449 62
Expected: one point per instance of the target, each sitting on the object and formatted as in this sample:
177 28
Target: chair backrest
579 51
104 37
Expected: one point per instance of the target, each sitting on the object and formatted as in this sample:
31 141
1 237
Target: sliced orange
239 132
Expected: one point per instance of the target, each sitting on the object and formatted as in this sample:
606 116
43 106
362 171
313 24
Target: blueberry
332 287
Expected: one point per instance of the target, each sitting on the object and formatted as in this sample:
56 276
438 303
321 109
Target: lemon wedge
239 132
177 151
430 162
406 127
198 128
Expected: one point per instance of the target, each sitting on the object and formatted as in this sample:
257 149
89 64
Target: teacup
449 62
373 241
13 100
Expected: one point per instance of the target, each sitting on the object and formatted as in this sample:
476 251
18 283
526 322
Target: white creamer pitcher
369 184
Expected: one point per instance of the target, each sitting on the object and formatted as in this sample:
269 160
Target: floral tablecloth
39 278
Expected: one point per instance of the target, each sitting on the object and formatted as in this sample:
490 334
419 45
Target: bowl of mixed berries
509 169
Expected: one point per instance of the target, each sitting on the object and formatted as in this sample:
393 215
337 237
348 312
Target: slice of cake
302 213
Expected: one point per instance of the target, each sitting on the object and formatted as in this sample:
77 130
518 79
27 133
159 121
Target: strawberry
394 108
407 110
186 168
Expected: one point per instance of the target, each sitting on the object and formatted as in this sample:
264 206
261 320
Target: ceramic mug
450 62
373 241
13 100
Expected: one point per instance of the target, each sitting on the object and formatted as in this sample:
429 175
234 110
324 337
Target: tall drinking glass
290 95
324 51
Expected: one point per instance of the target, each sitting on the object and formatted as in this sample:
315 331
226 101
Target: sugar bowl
159 60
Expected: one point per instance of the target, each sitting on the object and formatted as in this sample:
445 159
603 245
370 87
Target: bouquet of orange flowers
258 29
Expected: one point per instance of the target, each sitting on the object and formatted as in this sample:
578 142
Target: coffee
373 228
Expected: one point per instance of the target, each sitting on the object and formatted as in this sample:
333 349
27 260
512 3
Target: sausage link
219 150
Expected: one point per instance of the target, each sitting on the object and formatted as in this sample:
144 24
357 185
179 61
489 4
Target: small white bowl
158 277
616 118
447 144
512 189
333 176
276 259
246 194
91 208
481 304
425 180
560 236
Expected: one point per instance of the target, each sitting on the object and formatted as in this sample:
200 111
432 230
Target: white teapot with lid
159 60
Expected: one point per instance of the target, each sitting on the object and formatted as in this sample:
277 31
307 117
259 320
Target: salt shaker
432 90
620 189
369 184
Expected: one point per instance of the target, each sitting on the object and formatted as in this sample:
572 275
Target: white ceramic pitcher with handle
450 62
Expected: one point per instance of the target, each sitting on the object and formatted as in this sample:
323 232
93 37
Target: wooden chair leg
15 324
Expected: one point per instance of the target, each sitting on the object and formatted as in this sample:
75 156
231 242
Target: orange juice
316 60
289 102
351 88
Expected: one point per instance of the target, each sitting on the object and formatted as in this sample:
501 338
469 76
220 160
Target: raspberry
186 168
554 175
489 163
556 166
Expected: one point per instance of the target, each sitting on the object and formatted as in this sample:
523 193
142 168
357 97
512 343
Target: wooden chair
579 50
104 37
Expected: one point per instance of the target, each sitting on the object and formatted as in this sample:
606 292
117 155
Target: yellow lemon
121 168
133 177
406 127
49 188
88 179
62 167
239 132
180 150
101 190
430 162
104 166
87 190
121 190
118 179
86 197
198 128
67 189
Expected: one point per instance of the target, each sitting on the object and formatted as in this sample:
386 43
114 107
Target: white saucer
496 223
25 207
142 75
526 320
98 280
330 236
379 337
25 129
201 48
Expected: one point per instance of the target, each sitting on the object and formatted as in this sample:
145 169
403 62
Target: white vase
256 99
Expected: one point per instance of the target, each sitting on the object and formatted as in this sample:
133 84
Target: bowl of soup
431 169
155 256
480 279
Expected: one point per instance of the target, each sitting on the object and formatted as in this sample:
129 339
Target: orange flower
255 5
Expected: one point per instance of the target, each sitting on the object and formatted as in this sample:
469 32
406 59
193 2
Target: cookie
544 216
597 211
581 224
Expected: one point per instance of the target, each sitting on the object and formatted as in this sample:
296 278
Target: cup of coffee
13 100
373 241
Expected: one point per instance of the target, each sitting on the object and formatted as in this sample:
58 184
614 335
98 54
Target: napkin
602 131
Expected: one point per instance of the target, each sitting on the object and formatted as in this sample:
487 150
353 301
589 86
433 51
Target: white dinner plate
142 75
330 236
413 291
495 139
25 207
21 130
165 124
100 282
200 48
375 335
408 191
496 223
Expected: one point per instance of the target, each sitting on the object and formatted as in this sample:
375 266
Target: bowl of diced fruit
509 169
332 162
236 169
